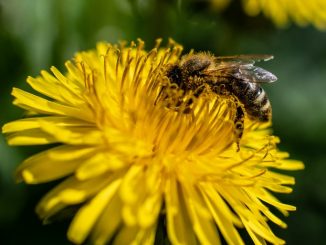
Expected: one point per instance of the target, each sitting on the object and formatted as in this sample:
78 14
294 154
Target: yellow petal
179 227
222 216
59 197
42 167
55 91
149 210
200 218
35 103
92 167
108 222
135 235
73 135
131 181
34 123
30 137
87 216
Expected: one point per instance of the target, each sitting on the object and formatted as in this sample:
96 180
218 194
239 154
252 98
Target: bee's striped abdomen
254 100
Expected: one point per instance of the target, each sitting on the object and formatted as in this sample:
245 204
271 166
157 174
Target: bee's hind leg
238 124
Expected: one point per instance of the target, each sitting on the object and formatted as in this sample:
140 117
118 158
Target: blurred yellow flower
282 12
131 163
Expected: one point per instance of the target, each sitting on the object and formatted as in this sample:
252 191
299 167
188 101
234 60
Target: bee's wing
254 74
242 67
244 59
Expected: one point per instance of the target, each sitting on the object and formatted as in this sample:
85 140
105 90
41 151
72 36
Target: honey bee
235 76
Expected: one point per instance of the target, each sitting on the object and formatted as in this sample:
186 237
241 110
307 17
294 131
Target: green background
36 34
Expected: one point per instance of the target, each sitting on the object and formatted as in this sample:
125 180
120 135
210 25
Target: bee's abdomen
254 100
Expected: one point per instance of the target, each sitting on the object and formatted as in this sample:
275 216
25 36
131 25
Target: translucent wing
243 58
255 74
242 67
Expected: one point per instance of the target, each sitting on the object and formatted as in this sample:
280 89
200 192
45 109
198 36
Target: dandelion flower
282 12
133 166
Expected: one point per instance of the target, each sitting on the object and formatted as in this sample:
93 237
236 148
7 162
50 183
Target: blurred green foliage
35 34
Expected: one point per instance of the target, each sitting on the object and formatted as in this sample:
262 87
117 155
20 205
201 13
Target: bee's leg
238 124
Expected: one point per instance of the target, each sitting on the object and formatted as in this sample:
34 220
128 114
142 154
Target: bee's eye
174 74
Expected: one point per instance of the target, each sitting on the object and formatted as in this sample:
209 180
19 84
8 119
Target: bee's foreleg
238 124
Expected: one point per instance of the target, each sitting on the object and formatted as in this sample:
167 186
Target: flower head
129 160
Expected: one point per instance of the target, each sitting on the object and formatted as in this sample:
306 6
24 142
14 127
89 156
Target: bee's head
174 73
